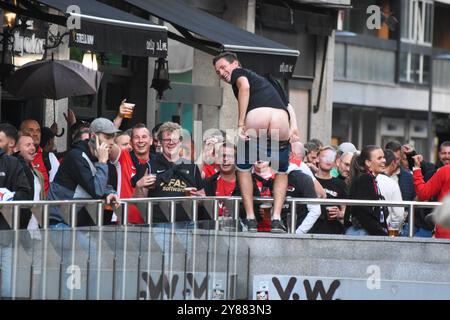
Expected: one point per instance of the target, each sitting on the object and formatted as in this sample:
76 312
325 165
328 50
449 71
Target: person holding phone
84 172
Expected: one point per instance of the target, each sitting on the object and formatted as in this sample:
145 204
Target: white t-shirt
55 166
391 192
303 168
37 188
33 225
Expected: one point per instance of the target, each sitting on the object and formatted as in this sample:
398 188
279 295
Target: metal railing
195 201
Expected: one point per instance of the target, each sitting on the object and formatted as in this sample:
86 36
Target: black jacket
25 214
80 176
12 176
367 217
171 180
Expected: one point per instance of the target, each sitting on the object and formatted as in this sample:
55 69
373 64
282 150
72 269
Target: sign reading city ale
100 37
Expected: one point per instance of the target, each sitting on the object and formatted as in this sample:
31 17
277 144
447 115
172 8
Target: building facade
385 71
197 99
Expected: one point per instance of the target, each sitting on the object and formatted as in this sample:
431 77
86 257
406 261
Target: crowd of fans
104 162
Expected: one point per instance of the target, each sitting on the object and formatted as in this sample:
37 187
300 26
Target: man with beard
84 173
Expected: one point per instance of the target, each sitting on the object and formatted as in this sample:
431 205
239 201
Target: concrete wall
131 252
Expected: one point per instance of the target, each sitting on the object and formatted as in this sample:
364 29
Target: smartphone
410 159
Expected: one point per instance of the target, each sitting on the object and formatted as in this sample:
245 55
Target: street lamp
161 80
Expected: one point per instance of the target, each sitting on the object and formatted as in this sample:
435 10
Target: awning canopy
214 35
107 29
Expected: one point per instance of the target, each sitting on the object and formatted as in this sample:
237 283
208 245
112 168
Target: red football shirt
209 170
125 171
38 163
224 189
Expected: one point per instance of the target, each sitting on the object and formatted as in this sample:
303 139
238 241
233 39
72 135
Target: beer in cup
266 209
393 229
130 114
153 186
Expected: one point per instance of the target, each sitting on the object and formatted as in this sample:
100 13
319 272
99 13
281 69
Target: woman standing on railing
366 220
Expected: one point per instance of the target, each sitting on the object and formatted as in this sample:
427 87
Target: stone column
242 14
204 74
62 52
321 122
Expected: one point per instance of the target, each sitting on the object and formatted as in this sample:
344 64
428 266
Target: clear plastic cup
129 105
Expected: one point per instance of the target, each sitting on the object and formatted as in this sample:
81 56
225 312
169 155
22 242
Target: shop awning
214 35
107 29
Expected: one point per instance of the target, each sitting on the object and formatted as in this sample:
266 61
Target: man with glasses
170 175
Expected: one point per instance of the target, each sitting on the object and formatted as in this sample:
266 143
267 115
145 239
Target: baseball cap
103 125
347 147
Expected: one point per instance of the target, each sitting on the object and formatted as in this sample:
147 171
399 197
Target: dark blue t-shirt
262 92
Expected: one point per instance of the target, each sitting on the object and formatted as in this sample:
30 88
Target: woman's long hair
358 164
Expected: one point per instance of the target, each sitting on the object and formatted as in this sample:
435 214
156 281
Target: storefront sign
102 37
29 42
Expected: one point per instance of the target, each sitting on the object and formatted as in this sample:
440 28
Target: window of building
417 21
414 68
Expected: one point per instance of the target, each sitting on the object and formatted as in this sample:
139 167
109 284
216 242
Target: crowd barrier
11 209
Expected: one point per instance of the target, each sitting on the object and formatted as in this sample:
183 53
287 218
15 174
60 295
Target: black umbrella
53 79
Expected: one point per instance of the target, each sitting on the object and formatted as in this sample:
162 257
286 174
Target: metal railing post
16 218
73 215
125 214
172 211
411 221
236 213
194 210
293 216
45 217
100 214
216 214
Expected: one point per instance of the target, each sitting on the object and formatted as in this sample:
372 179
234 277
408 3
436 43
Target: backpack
278 87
